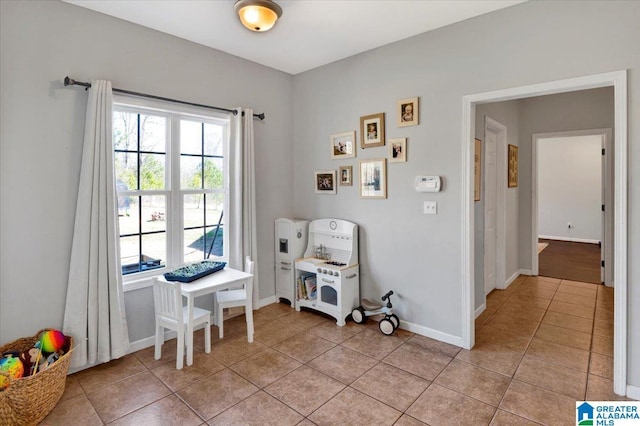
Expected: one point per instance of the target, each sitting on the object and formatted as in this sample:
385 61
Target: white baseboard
267 301
434 334
573 240
633 392
480 310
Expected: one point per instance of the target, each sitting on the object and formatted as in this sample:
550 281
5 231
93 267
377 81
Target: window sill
138 284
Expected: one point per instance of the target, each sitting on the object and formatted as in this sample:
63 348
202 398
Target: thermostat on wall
428 183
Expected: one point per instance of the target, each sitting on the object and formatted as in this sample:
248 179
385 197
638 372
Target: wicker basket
28 400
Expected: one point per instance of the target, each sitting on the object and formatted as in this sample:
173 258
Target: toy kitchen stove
328 277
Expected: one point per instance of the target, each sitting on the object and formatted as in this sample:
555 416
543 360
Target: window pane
190 137
128 214
126 166
213 135
129 254
217 250
153 132
153 213
190 172
215 203
125 130
193 245
193 210
213 176
154 251
152 171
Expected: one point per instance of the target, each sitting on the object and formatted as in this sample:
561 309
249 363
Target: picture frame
346 176
372 130
343 145
477 169
512 174
325 181
373 178
398 150
408 112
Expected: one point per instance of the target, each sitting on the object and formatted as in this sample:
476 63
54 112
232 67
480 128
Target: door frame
615 79
607 224
501 177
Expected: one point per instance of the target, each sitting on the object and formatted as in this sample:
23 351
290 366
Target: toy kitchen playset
328 277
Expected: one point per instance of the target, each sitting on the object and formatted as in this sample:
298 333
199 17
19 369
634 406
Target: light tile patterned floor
541 345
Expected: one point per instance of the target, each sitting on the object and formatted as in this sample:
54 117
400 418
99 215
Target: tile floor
541 345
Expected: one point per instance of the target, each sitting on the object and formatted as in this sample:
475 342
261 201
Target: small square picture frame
372 130
408 112
346 175
398 150
343 145
325 181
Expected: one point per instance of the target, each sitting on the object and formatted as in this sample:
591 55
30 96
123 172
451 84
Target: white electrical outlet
430 207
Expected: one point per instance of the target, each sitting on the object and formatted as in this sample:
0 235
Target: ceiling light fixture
258 15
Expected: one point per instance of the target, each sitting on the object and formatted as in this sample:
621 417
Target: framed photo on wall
372 130
373 178
325 182
343 145
477 169
398 150
408 112
346 175
513 167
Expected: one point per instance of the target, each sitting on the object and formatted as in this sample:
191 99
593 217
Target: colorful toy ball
51 341
11 366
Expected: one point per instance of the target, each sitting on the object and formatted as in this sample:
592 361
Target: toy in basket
44 359
388 324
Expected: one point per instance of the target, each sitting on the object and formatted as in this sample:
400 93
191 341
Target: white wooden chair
171 314
234 298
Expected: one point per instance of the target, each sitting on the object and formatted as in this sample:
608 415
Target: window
171 182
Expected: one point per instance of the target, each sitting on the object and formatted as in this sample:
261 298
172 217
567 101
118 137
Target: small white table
220 280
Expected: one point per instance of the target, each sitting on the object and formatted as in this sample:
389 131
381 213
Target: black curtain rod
71 82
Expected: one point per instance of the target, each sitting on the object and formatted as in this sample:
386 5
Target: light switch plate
430 207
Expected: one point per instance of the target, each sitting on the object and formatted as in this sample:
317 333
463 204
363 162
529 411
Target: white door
490 211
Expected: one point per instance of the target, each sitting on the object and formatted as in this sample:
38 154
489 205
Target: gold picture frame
408 112
373 178
477 169
343 145
512 178
372 130
325 181
346 176
398 150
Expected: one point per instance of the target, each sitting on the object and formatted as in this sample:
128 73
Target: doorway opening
572 206
617 80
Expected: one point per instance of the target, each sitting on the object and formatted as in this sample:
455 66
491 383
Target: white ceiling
310 33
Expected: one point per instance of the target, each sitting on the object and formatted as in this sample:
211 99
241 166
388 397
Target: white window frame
174 219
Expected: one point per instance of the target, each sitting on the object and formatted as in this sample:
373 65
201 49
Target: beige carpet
542 246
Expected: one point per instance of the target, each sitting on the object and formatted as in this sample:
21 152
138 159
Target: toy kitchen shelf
328 277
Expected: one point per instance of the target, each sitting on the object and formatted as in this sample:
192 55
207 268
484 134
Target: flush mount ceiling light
258 15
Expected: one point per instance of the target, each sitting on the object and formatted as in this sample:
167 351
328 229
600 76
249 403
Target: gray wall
581 110
570 188
41 136
417 255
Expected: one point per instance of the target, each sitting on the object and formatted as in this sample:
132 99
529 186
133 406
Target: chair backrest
167 298
249 265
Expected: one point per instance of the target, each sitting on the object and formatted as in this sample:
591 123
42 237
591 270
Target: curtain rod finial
261 116
68 81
